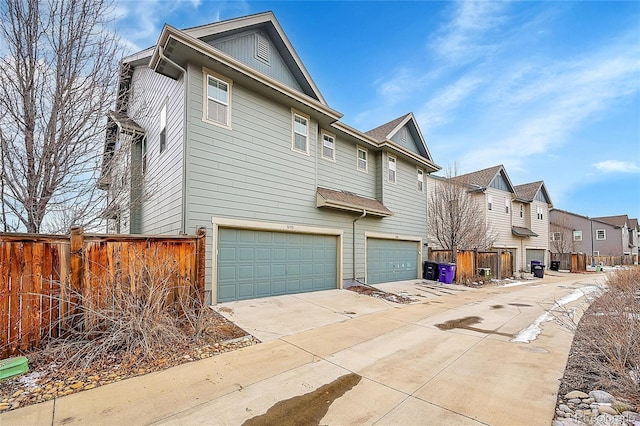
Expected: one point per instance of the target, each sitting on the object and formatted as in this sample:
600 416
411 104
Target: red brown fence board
44 277
468 262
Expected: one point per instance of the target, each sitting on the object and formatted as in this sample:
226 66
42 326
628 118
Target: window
506 205
539 212
300 133
577 235
489 202
163 128
144 155
217 100
420 180
391 161
601 234
555 236
362 159
328 146
596 253
521 210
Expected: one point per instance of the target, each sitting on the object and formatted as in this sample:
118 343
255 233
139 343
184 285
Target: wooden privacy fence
47 279
627 259
469 261
573 262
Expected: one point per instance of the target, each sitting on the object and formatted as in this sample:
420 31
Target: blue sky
551 90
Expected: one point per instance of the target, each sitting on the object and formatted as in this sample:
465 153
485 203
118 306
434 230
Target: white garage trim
223 222
385 236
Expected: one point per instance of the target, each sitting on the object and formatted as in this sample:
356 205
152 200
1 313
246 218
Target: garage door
260 263
534 254
391 260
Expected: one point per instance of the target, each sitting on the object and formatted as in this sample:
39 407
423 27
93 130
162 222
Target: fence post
76 266
201 259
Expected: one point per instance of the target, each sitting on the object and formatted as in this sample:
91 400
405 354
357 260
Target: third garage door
391 260
263 263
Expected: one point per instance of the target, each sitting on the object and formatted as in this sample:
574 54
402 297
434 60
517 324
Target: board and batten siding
162 207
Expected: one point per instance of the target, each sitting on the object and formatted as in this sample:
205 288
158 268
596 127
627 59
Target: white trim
419 176
604 235
366 151
576 233
295 113
324 133
392 159
163 127
224 222
206 73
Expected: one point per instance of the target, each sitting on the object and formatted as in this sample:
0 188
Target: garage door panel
391 260
263 263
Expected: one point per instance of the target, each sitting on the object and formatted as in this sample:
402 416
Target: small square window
577 235
596 253
363 159
420 180
555 236
391 161
328 147
163 128
300 133
601 234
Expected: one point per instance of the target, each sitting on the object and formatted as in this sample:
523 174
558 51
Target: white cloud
615 166
436 111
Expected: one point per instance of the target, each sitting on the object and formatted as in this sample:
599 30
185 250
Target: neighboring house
634 239
601 236
228 131
518 216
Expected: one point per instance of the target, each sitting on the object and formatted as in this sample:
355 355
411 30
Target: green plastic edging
11 367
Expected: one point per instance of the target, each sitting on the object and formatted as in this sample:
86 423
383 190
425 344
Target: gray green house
221 126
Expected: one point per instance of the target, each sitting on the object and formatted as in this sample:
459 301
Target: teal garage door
391 260
260 263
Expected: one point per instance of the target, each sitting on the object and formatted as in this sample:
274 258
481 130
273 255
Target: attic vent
262 48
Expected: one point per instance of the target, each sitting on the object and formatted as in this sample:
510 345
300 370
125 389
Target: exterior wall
250 172
161 210
540 227
611 246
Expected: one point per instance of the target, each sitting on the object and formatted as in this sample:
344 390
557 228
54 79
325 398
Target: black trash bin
555 265
430 271
538 271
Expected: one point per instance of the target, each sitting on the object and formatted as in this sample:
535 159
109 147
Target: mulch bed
48 378
374 292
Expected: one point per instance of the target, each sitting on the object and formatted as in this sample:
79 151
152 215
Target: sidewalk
411 371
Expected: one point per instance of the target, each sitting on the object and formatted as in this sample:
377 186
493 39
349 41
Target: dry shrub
136 314
612 327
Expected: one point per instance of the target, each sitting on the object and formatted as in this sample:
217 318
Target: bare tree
455 220
561 233
59 67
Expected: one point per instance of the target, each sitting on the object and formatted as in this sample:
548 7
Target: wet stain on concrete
307 409
534 349
497 306
521 305
466 323
226 310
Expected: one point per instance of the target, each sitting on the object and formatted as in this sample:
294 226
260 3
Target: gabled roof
617 221
633 223
480 180
383 134
527 192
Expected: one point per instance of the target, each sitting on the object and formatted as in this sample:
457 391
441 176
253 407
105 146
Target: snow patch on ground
532 331
514 284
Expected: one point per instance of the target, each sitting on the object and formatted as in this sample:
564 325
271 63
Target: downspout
353 246
183 219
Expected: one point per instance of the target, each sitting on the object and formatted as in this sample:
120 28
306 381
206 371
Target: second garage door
263 263
534 254
391 260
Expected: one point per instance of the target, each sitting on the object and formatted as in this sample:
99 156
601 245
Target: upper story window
420 180
363 159
577 235
601 234
218 100
555 236
391 161
521 210
539 213
300 140
506 205
489 202
328 146
163 127
144 155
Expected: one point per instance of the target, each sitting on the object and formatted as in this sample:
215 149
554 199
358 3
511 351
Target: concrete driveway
447 359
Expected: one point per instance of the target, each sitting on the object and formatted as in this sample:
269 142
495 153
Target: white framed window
363 159
577 235
507 203
300 140
420 180
328 146
489 202
144 154
163 127
601 234
217 99
521 210
391 163
539 212
555 236
596 253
